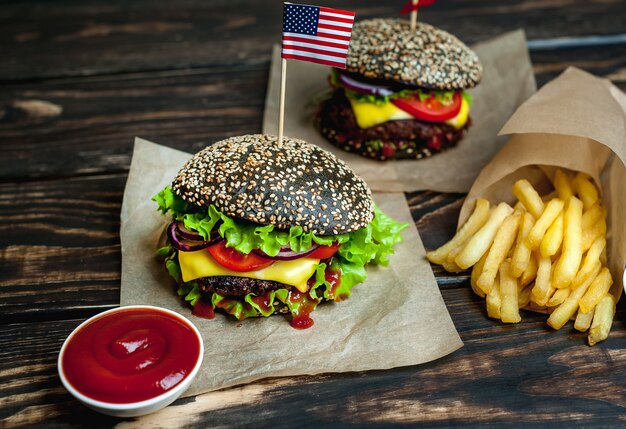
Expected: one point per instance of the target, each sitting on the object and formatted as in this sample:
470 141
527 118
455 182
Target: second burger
402 95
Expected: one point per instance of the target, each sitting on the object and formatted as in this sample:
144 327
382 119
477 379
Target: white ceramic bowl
140 408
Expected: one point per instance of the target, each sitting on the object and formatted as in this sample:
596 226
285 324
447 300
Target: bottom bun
402 139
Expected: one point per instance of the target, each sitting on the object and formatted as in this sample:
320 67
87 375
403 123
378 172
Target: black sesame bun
253 178
428 57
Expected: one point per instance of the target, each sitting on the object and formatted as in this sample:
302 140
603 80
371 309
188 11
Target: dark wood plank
81 126
550 378
68 38
608 61
59 247
78 126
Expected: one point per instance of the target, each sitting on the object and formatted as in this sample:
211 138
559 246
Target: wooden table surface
80 79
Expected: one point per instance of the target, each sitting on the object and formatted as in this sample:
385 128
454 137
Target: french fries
571 250
502 243
546 253
602 320
475 221
521 254
481 241
509 310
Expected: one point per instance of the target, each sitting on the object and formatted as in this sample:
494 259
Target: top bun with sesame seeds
253 178
428 57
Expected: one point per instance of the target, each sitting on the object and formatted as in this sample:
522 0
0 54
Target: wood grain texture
532 364
59 247
67 38
86 125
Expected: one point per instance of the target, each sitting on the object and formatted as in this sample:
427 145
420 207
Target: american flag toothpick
412 6
316 34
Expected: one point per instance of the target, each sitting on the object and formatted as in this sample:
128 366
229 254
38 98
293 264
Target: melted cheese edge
296 273
369 114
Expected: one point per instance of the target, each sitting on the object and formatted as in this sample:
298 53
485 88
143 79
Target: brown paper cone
577 122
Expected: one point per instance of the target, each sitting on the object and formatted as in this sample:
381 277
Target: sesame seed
253 178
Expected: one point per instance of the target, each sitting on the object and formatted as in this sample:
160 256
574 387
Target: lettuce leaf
372 244
444 97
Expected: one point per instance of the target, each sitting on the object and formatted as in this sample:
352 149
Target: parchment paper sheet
395 318
508 80
577 122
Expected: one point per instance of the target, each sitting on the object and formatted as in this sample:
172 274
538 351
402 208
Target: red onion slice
286 254
187 233
363 88
186 246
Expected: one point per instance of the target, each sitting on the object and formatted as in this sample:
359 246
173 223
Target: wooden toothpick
414 15
281 105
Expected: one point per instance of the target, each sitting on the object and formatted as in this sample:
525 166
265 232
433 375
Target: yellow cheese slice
370 114
295 273
460 119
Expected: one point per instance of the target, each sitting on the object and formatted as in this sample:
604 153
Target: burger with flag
402 93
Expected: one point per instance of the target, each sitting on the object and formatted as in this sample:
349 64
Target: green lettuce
372 244
444 97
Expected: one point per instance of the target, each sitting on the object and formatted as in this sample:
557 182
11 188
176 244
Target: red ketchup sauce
130 355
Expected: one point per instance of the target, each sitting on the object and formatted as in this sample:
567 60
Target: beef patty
401 139
238 286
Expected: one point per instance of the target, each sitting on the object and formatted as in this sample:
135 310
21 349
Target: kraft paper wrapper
508 80
576 122
397 317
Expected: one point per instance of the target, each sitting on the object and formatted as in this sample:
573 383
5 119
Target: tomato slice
324 252
235 260
431 109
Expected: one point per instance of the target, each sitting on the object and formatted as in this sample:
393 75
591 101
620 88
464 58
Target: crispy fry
452 267
592 215
526 193
585 189
592 259
598 288
583 321
530 273
602 320
563 185
502 242
493 300
592 233
558 297
477 269
571 252
473 224
509 309
523 296
478 244
521 253
566 310
543 288
550 213
551 242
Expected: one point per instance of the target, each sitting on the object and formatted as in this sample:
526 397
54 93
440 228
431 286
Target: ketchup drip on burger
260 228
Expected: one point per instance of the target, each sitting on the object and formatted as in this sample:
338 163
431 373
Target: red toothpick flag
316 34
410 6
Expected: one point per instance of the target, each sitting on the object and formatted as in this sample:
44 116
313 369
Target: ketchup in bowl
129 355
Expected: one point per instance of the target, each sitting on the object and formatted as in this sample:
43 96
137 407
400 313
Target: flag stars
300 19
